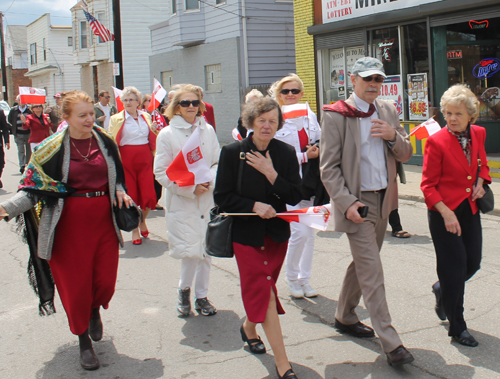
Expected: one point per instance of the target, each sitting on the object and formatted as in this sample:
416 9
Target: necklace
86 157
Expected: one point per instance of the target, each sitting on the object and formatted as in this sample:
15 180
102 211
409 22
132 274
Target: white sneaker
309 291
295 288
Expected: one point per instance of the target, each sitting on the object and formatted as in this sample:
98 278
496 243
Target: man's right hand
352 213
23 118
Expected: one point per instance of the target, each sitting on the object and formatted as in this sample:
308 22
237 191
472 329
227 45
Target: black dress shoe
287 375
95 328
89 360
399 356
436 288
466 339
255 345
357 330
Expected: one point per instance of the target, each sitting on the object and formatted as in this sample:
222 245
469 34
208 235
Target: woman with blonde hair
303 133
188 208
135 135
75 230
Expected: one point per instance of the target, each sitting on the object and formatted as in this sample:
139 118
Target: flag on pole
426 129
314 217
119 104
190 167
98 29
29 95
295 110
157 96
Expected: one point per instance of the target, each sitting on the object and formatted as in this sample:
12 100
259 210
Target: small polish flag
189 167
119 104
157 96
236 134
295 110
426 129
29 95
314 217
160 120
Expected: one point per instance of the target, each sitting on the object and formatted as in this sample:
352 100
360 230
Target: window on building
83 34
70 41
9 61
219 2
33 53
166 80
192 4
174 6
44 47
213 82
101 17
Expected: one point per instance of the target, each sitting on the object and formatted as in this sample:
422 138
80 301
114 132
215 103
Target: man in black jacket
4 130
17 117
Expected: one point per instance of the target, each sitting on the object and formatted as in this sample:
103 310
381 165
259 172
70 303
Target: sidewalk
411 190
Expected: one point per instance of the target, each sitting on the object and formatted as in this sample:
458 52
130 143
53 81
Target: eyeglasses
295 91
36 106
187 103
378 79
129 100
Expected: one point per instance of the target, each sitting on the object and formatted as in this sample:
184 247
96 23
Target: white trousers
300 248
191 267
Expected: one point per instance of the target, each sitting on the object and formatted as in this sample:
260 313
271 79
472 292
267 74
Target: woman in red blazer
39 125
450 190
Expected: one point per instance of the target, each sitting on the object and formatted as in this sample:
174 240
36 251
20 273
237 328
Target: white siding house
50 60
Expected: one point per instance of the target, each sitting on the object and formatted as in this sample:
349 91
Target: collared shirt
134 132
105 110
373 163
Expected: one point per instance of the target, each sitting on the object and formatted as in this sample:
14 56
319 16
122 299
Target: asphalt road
143 337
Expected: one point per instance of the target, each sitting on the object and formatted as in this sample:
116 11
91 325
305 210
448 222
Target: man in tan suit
361 142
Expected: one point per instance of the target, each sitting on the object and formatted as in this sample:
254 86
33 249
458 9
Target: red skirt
139 178
259 268
84 259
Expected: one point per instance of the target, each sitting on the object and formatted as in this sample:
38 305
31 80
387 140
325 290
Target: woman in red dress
78 176
39 125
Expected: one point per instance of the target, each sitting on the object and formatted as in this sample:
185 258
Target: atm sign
454 54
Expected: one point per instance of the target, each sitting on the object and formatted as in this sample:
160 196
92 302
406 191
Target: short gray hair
460 94
131 91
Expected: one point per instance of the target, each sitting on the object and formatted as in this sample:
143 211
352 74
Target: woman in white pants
302 131
188 207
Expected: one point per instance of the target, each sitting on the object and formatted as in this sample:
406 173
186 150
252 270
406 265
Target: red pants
84 259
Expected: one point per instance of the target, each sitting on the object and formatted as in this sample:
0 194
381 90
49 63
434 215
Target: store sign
454 54
340 10
392 90
385 50
479 24
418 97
486 68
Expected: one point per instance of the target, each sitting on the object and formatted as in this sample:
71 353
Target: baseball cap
368 66
57 94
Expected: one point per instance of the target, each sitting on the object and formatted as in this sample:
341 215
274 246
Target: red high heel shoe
137 241
145 234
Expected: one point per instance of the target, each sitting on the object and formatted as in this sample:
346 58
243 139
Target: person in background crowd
4 138
16 119
55 112
394 219
104 110
209 111
77 232
361 142
303 133
270 180
188 208
240 132
451 166
38 124
135 135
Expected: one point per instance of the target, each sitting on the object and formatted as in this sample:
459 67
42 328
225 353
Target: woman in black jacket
270 180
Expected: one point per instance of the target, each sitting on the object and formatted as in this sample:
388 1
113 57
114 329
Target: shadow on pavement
220 332
148 249
301 371
415 239
481 356
66 364
329 234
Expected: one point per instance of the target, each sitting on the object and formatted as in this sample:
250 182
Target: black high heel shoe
287 375
255 345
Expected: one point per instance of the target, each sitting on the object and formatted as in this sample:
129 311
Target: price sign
392 90
418 97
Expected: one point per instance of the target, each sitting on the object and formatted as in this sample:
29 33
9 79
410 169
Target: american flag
98 29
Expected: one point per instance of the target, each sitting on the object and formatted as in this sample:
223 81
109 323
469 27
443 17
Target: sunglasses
378 79
107 97
295 91
187 103
36 106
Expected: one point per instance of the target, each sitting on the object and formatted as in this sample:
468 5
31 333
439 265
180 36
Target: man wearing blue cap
361 141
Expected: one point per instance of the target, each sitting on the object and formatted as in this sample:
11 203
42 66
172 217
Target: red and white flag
157 96
314 217
190 167
29 95
426 129
119 104
295 110
160 120
236 134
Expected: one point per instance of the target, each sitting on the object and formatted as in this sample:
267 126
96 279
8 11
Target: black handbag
128 219
487 202
219 236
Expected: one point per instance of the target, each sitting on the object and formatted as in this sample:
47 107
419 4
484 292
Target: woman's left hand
478 190
262 164
154 126
123 198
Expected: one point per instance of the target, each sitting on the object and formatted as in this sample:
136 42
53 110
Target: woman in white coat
301 130
188 207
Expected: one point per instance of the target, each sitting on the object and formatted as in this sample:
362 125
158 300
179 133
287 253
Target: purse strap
478 159
240 169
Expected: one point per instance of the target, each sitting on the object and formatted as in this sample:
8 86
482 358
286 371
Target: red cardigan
38 131
447 175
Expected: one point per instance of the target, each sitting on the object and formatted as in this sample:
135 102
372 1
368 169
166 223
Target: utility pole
4 71
118 42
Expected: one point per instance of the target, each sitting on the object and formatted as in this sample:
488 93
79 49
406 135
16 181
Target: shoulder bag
487 202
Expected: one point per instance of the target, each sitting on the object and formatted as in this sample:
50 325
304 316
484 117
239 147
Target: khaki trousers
365 275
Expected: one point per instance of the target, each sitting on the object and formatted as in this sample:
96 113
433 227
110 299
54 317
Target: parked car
5 107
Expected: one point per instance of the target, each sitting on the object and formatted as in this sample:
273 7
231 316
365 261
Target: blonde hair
459 94
253 93
71 98
131 91
145 98
173 106
276 87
